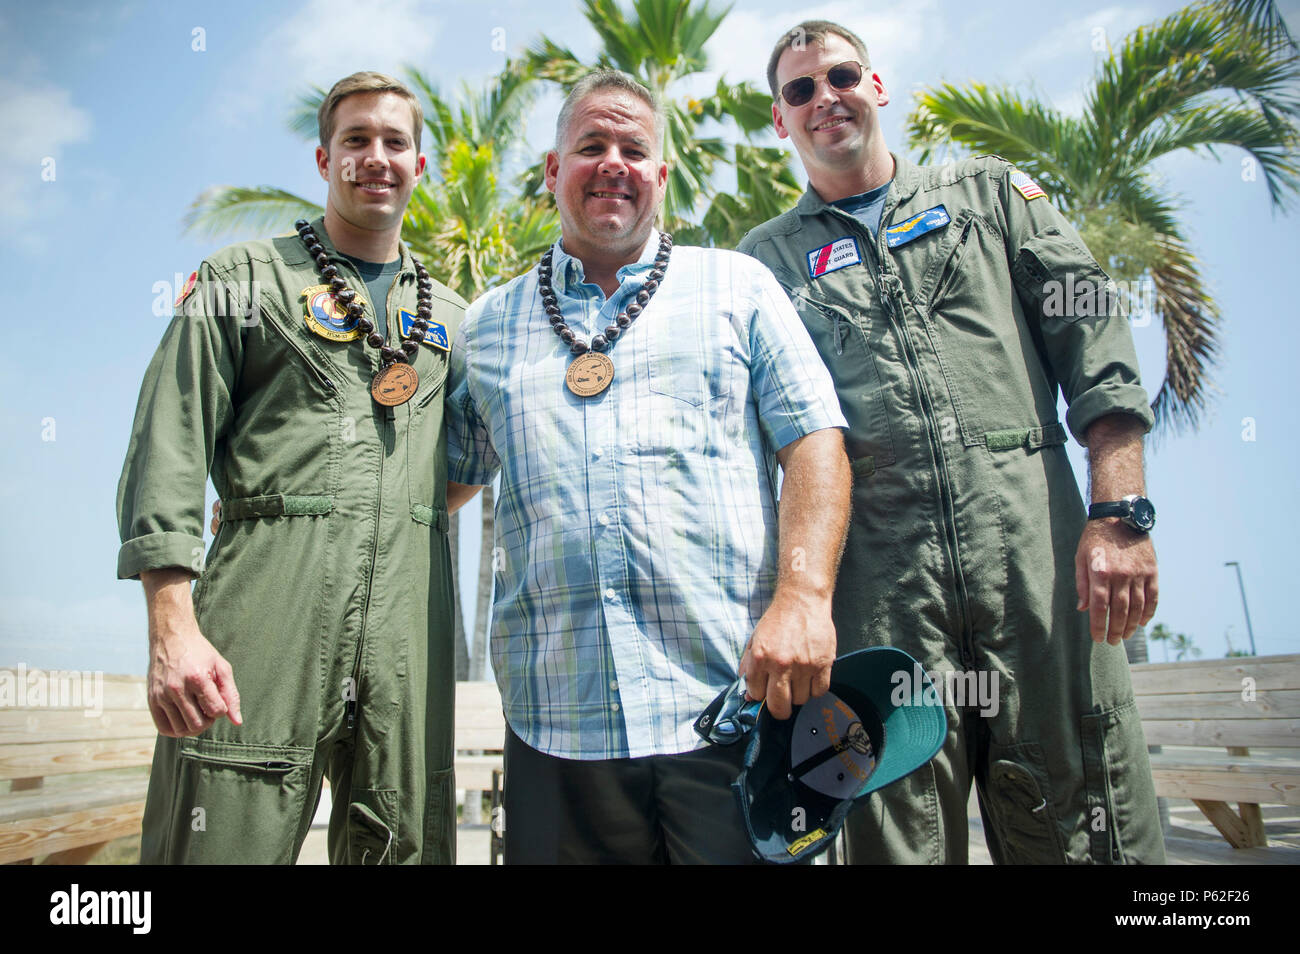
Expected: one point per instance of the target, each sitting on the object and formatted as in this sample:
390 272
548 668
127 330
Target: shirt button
604 519
610 594
614 707
613 684
597 451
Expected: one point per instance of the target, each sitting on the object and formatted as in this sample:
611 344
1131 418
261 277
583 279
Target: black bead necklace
591 372
396 381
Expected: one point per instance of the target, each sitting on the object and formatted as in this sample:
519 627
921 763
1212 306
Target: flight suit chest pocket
842 338
966 299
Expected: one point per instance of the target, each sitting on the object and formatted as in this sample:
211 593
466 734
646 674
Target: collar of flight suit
907 179
406 272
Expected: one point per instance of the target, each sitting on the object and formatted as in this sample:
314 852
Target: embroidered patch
916 226
841 253
327 316
435 336
809 839
1027 186
189 287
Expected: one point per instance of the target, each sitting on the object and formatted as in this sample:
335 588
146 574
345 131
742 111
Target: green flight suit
948 350
328 587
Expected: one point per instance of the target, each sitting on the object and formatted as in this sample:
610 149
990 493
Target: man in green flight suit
950 304
315 401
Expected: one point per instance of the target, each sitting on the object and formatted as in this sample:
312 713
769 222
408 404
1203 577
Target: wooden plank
1269 704
118 692
21 726
480 723
1254 820
91 792
1225 819
474 772
63 758
1263 782
1265 733
1216 675
23 839
74 856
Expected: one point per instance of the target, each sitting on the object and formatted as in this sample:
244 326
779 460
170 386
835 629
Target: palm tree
661 43
1208 76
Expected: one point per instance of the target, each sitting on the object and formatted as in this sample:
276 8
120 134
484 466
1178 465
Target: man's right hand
190 684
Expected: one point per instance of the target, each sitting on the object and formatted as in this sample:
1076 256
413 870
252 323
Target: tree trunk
458 618
486 576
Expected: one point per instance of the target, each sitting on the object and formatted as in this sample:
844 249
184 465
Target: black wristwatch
1134 510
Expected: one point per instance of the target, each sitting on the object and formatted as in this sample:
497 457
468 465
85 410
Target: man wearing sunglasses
950 304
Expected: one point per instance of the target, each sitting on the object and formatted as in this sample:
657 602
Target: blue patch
435 336
916 226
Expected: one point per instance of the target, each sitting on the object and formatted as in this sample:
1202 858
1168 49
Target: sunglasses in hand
842 76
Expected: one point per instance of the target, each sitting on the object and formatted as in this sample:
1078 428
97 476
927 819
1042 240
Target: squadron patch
435 336
189 287
327 316
916 226
841 253
1027 186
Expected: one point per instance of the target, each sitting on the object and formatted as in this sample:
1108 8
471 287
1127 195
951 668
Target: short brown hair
811 31
365 82
602 79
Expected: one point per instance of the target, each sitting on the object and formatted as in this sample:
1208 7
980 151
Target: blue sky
137 122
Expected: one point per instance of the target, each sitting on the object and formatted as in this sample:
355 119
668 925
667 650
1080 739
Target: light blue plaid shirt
636 530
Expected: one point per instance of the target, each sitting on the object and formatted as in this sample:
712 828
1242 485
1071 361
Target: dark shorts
662 809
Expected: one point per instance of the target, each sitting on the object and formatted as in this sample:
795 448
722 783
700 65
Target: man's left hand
788 659
1115 576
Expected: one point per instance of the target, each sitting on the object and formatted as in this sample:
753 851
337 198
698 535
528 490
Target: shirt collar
568 273
406 271
907 179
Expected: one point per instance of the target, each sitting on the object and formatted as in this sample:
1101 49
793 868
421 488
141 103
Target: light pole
1242 586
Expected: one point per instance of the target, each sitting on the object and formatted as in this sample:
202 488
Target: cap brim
914 719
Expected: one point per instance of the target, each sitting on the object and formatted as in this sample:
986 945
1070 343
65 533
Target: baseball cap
803 775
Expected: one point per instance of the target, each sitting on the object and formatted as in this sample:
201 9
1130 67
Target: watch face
1144 514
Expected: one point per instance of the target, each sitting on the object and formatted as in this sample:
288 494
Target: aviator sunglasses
841 76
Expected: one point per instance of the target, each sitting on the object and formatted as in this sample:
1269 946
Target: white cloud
40 122
895 33
323 41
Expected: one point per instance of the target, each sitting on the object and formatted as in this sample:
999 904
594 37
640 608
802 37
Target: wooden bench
1235 705
84 808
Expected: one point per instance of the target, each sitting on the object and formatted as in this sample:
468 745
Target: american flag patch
1027 186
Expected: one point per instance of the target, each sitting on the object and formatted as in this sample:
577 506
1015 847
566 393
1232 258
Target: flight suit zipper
890 297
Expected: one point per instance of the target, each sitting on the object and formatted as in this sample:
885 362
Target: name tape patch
841 253
916 226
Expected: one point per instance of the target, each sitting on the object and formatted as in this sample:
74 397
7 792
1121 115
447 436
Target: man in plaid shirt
646 561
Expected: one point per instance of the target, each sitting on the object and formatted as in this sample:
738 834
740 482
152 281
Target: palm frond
302 116
246 212
1191 318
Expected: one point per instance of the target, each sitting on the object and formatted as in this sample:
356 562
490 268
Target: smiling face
608 177
371 165
837 133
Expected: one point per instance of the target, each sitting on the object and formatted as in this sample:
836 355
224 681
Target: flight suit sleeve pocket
440 819
236 792
1020 802
1121 793
1061 278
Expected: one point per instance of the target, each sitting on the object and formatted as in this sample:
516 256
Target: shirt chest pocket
698 382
